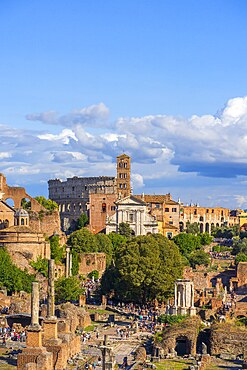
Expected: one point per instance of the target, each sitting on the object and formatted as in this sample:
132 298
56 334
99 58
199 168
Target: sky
164 81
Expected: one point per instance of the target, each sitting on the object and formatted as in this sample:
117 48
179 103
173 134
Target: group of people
8 334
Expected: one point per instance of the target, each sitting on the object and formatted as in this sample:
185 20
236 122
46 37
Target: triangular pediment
130 200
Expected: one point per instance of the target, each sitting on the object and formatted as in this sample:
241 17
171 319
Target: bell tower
123 176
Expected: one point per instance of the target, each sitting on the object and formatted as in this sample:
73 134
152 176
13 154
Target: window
212 210
85 187
174 209
125 165
166 209
131 217
121 175
113 208
125 186
73 188
170 222
120 164
125 175
121 186
207 211
195 211
103 207
157 205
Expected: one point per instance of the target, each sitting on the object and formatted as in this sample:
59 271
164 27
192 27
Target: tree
125 230
116 240
145 268
105 246
57 252
49 204
192 228
241 257
225 232
240 246
82 221
94 274
187 243
199 257
41 265
205 238
68 289
83 241
13 278
26 204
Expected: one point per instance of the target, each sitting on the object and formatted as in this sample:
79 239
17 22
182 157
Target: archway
207 228
183 346
181 226
26 204
201 228
10 202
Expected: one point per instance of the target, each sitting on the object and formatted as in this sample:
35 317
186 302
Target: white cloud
164 149
5 155
94 115
64 136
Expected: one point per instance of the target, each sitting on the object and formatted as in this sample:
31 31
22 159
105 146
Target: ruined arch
10 202
201 227
207 228
26 203
183 346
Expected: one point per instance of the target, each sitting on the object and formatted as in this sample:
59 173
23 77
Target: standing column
51 291
67 261
192 295
184 296
35 304
176 299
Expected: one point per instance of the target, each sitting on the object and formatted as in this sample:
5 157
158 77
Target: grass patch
90 328
173 364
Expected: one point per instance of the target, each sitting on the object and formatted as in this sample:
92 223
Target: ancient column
176 298
35 304
192 294
51 291
67 261
184 295
50 323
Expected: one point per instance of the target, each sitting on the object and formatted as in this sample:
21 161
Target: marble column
51 291
176 298
67 261
35 304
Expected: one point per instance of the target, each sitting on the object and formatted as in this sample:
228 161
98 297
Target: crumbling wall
46 222
242 274
76 317
187 329
227 338
92 261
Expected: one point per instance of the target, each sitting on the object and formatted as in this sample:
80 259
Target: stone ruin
51 345
183 299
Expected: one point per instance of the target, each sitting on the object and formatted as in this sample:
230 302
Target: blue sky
166 81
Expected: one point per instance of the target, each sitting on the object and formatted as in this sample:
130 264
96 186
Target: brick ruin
51 345
40 220
92 261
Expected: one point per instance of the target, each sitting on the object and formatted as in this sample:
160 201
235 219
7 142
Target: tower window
103 207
